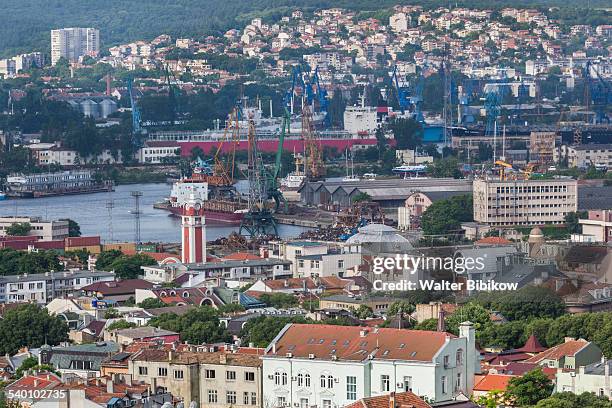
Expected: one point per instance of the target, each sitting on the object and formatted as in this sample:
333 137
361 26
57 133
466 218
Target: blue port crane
403 91
598 91
136 117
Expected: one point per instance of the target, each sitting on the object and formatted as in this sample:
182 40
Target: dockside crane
598 91
136 117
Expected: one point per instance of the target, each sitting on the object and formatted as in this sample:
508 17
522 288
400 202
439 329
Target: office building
508 203
39 228
73 43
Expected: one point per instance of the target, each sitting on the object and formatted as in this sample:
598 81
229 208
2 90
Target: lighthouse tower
194 231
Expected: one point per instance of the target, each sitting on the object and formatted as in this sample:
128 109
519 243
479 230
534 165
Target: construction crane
220 175
321 95
492 103
136 117
314 168
258 220
527 171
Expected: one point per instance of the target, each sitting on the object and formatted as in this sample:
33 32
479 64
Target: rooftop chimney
392 400
441 322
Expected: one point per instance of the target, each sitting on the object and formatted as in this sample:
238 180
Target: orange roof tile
569 348
403 399
357 343
491 382
241 256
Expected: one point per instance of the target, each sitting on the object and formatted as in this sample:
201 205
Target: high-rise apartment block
524 202
73 43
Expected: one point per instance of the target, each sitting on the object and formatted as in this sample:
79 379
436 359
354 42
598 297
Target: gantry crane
527 171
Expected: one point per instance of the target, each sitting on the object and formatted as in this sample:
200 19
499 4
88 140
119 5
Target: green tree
530 388
152 303
472 312
230 308
572 221
402 307
31 363
111 313
19 262
263 329
197 326
363 312
125 266
74 229
120 324
19 229
31 326
445 216
408 133
279 300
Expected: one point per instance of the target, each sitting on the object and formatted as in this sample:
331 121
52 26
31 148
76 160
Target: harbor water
111 215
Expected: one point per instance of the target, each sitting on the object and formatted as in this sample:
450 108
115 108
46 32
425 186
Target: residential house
568 355
330 366
214 379
83 360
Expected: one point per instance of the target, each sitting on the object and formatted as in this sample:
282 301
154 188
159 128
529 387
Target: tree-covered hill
25 24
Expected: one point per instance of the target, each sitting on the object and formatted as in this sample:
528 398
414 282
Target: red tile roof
493 382
241 256
403 400
532 345
493 241
569 348
120 287
41 380
357 343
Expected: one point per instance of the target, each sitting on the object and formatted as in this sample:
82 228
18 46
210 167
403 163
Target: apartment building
333 366
595 378
43 230
44 287
584 156
508 203
598 225
314 258
156 152
213 379
73 43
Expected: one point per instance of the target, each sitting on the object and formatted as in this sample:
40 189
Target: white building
595 378
332 366
524 202
43 230
399 22
156 152
359 119
41 288
314 258
584 156
73 43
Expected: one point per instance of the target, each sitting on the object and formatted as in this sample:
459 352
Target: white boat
295 179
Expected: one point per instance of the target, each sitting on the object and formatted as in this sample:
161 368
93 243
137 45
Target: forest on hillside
25 24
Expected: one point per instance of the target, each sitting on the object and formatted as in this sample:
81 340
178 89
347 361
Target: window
307 380
142 370
351 388
249 376
323 382
178 374
446 360
209 374
327 403
330 381
303 402
280 378
284 378
230 397
230 375
340 263
301 263
407 383
384 383
245 399
253 398
300 380
280 401
212 396
458 383
459 357
444 385
162 372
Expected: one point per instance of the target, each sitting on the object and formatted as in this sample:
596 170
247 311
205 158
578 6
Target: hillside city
408 207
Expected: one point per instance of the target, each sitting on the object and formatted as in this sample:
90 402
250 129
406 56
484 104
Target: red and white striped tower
194 231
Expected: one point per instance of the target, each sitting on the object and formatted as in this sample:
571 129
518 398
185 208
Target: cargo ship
54 184
215 210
